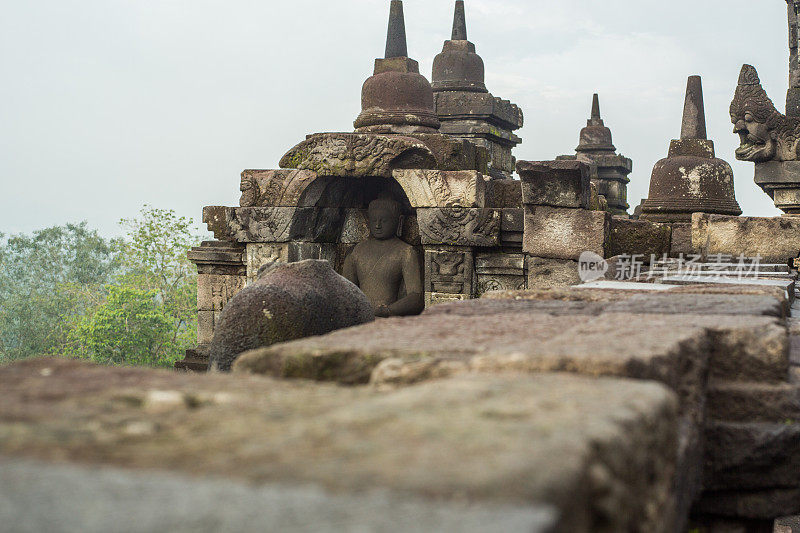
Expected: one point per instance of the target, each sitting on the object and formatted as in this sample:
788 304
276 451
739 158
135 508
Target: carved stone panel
355 228
358 155
261 224
206 322
500 271
495 282
434 298
214 291
436 188
449 271
259 254
459 227
274 188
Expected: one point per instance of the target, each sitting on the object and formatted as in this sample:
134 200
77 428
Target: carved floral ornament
358 155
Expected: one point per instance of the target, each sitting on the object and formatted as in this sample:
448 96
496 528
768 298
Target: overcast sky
106 105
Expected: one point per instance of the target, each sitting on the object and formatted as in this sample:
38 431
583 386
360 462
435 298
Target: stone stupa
609 170
691 179
465 107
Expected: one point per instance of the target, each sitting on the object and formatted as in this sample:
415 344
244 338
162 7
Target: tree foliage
68 291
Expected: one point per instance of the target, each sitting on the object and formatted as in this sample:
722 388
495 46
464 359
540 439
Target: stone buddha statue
386 268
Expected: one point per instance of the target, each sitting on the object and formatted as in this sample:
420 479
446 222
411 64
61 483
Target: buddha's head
755 119
384 218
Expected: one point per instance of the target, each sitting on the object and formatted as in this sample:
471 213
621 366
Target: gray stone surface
555 183
545 273
602 452
638 237
89 499
752 455
754 402
681 240
561 233
776 240
752 504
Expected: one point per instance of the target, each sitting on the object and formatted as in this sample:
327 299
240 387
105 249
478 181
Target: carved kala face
758 142
383 223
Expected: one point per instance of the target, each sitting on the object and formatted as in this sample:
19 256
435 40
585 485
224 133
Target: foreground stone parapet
597 455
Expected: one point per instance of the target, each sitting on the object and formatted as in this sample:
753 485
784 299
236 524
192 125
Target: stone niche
466 226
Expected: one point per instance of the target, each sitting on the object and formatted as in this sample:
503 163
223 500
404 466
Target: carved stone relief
448 189
459 226
358 155
274 188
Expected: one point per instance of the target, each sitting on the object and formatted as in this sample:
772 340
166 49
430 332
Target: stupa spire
596 107
693 125
396 45
459 23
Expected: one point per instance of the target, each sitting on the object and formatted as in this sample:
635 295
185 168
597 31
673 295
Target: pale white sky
106 105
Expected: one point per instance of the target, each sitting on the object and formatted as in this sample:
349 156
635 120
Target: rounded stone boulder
287 302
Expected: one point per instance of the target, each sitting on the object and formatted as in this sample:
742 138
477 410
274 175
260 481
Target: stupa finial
596 107
694 114
459 23
396 45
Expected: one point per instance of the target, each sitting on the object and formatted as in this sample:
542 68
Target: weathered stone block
752 456
224 258
206 322
595 451
639 237
758 504
668 348
560 233
437 188
259 254
216 219
548 273
734 401
274 188
505 194
459 227
776 240
449 271
555 183
682 240
500 271
214 291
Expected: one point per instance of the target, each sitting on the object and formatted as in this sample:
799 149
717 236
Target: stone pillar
793 94
221 273
559 227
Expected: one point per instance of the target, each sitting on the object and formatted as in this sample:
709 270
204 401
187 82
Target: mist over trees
68 291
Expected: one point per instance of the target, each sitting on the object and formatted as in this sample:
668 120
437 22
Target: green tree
154 259
47 281
128 327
